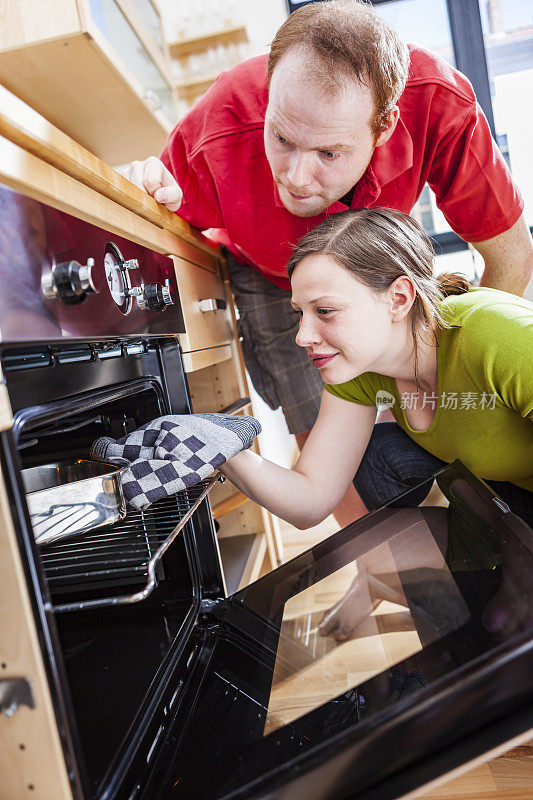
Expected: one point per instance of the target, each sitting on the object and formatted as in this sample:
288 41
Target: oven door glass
346 671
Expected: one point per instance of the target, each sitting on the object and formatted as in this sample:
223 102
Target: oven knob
155 297
69 281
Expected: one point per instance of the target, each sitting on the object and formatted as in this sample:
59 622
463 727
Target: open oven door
432 666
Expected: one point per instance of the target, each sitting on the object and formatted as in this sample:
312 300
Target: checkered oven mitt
171 453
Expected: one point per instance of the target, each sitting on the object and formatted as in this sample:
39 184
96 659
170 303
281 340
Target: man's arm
508 259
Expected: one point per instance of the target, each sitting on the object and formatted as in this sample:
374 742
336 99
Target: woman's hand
347 614
154 178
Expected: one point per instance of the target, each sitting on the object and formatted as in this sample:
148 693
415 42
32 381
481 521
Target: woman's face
346 327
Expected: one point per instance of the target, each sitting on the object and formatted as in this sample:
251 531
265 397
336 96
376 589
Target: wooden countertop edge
28 129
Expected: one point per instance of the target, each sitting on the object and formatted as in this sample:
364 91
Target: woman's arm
305 495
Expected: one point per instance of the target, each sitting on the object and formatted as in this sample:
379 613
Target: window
415 24
508 37
410 18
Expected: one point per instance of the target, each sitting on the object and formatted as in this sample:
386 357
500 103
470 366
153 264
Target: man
342 114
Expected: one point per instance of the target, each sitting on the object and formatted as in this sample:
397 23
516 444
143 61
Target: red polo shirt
218 157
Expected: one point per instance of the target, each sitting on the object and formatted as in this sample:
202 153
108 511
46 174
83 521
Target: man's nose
299 173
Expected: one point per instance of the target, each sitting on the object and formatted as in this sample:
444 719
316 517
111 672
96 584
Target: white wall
514 116
262 19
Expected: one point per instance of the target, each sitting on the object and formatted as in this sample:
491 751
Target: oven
161 687
89 347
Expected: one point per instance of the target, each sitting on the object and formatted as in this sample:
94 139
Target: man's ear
388 126
402 295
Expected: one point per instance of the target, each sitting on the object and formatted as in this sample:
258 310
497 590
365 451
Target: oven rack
128 551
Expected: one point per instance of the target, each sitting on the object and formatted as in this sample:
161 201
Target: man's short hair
347 39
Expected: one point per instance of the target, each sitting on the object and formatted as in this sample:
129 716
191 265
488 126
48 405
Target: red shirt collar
387 163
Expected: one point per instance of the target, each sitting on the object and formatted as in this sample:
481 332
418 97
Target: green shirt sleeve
358 390
498 352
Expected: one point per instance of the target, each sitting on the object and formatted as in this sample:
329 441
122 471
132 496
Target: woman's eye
296 311
324 311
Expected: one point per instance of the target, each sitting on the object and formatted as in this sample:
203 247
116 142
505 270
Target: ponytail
452 283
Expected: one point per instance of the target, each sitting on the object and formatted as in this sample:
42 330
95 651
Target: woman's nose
307 334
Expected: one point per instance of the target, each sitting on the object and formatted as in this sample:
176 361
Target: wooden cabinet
206 314
38 165
97 69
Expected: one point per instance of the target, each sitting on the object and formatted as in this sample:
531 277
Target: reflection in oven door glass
366 617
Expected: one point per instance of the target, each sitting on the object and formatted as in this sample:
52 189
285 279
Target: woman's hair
347 39
378 245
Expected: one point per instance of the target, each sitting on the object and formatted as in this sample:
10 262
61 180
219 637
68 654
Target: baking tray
66 498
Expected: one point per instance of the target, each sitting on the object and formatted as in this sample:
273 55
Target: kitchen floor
508 777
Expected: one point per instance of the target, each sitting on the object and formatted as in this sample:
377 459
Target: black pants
393 463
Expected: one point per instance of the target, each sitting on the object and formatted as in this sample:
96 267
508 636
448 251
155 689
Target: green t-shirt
485 387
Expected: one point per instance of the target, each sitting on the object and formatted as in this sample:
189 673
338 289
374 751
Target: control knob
154 297
69 281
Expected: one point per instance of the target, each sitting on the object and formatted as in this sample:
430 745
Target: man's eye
329 155
324 311
280 138
296 311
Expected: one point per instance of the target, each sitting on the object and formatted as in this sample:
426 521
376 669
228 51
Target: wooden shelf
75 84
229 504
33 133
189 90
237 516
196 84
198 44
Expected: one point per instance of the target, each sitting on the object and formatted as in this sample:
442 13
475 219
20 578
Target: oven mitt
174 452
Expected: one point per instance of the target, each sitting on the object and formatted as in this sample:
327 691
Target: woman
454 364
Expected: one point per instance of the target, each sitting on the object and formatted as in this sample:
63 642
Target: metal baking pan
72 497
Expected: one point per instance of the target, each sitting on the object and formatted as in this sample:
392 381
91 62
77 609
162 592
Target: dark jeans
393 463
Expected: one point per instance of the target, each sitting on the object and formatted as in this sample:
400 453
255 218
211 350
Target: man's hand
153 177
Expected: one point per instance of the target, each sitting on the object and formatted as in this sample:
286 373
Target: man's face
318 146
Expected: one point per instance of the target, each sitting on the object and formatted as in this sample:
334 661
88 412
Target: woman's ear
402 295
